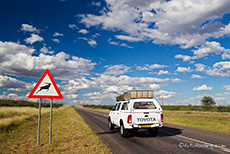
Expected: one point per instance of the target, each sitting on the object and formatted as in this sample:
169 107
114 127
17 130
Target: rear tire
124 132
111 126
153 132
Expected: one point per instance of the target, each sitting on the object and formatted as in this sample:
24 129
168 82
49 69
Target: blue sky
96 50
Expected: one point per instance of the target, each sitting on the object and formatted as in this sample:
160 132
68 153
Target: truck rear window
144 105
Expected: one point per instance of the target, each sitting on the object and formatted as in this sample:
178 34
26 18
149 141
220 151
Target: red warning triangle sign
46 88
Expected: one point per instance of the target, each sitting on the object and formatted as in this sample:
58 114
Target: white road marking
191 139
226 150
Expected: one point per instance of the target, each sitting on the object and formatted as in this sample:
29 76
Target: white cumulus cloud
73 26
204 87
195 76
91 42
14 84
116 69
83 31
29 28
186 23
12 96
148 67
163 72
57 34
56 40
34 38
183 69
204 50
227 87
119 84
45 50
18 60
220 69
165 94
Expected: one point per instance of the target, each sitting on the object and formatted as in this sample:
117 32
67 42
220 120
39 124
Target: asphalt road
170 138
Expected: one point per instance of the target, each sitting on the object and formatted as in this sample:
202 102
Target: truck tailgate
146 117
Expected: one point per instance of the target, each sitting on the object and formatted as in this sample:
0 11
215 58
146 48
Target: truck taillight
161 117
129 121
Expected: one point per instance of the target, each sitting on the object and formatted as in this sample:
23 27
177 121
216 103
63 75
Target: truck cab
134 113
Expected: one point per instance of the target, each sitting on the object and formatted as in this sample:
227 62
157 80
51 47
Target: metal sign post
51 112
45 88
39 121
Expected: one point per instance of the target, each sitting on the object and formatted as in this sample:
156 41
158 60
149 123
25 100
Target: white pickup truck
134 111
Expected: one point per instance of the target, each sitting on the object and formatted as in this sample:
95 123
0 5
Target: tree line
175 108
197 108
18 103
207 104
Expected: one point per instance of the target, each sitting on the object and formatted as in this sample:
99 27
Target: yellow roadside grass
11 116
70 135
212 121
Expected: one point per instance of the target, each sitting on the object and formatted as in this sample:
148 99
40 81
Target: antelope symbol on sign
46 87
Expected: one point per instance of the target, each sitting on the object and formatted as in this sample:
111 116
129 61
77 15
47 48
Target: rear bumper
146 126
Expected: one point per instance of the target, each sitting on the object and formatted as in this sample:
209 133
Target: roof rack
135 94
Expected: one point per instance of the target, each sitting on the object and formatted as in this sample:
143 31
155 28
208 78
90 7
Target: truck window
124 106
144 105
114 107
118 106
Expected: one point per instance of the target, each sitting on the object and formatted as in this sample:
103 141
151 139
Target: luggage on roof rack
135 94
